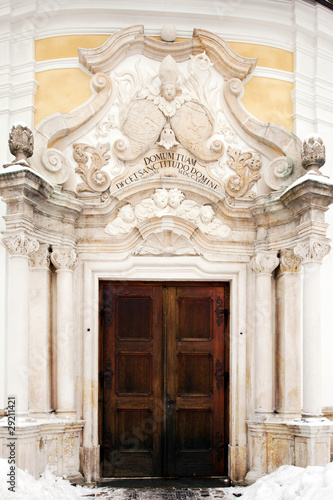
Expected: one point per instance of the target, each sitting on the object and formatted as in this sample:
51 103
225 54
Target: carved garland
247 166
95 179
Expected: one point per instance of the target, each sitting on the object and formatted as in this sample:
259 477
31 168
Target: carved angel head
206 214
175 198
160 198
127 214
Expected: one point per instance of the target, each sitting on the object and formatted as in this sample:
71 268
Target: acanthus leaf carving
168 202
64 258
289 261
313 251
247 166
264 262
20 245
21 143
313 152
95 179
40 258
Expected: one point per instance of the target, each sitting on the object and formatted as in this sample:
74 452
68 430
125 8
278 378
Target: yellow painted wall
269 100
62 90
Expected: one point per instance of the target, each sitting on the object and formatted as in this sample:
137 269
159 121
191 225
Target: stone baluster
288 332
20 247
312 254
65 260
263 264
40 332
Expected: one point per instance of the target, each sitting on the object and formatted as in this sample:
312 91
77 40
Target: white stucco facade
270 243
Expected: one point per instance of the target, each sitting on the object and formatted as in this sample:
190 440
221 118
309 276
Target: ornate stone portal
165 162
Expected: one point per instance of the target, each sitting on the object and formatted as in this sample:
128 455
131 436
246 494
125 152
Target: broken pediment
165 111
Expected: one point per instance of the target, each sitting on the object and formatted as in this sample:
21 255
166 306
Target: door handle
169 402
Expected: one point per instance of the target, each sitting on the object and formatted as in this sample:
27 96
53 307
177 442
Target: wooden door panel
131 434
196 344
195 318
133 374
164 379
195 374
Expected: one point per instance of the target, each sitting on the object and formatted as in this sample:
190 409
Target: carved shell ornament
168 202
167 116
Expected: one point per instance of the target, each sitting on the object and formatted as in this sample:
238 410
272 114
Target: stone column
312 254
65 260
263 265
20 248
288 331
40 332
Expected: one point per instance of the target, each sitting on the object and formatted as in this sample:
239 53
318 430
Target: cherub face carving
206 214
160 198
169 91
127 214
175 198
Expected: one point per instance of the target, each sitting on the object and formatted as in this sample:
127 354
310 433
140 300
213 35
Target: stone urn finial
21 144
313 153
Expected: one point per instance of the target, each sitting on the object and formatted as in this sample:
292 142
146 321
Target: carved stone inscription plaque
174 163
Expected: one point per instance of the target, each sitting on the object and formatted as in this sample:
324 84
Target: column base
90 464
312 441
312 415
298 442
43 442
67 414
237 463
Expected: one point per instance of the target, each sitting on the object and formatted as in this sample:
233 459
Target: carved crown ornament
164 113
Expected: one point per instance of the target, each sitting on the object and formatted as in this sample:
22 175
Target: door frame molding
189 269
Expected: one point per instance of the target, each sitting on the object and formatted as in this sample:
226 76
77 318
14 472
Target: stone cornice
308 193
14 179
132 41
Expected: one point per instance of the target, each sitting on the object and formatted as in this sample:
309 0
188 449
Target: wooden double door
164 373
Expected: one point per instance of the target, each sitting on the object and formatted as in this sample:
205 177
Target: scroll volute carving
247 166
95 179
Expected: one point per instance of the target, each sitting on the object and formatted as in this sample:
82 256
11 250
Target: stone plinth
40 443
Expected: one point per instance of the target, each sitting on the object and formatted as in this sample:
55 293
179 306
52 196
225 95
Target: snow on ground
293 483
286 483
47 487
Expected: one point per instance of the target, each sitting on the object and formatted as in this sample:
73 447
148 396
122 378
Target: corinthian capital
264 262
41 258
312 251
20 245
64 258
289 262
